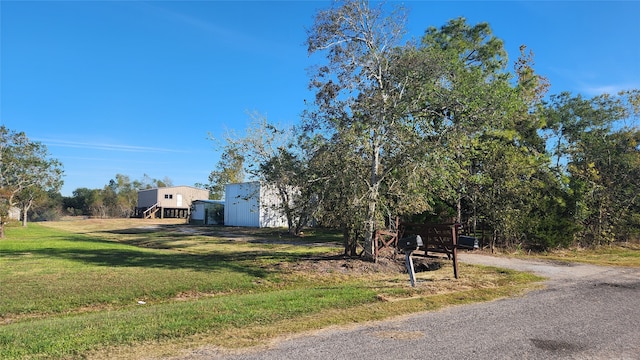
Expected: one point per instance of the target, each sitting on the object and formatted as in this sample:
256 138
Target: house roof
171 187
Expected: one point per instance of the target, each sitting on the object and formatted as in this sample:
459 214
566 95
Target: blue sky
134 88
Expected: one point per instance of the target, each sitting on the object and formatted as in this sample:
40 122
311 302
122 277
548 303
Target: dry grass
617 254
82 225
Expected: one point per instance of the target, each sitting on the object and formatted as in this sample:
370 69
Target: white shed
252 204
207 212
14 213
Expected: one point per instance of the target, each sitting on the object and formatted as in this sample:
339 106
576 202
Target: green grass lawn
84 289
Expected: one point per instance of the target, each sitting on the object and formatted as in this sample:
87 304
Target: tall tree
25 168
489 129
354 89
600 158
470 98
417 115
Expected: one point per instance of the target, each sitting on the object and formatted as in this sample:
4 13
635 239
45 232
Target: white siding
252 205
206 212
271 215
198 211
241 207
14 213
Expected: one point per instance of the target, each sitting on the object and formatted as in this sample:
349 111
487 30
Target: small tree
269 153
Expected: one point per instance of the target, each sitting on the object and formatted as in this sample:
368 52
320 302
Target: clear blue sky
135 88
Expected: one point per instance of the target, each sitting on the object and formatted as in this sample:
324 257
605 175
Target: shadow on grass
165 236
152 251
160 237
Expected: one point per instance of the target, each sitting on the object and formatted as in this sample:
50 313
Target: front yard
127 288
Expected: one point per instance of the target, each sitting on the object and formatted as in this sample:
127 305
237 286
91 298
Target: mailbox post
408 245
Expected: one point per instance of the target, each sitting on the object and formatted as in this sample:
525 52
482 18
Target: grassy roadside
105 289
621 254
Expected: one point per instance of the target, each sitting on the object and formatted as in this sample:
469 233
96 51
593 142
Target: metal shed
207 212
252 204
14 213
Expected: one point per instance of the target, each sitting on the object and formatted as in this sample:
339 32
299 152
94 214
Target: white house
252 204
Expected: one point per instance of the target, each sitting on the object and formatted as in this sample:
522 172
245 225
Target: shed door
179 200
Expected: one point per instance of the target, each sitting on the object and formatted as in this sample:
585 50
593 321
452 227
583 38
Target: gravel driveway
585 312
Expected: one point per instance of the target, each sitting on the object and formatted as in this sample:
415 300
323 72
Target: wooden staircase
151 212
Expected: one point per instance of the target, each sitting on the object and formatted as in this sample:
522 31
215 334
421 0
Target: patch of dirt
348 265
388 263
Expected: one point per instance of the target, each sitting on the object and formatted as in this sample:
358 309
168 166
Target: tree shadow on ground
153 237
155 252
168 236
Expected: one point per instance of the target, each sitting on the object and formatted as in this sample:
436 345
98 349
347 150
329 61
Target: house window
168 196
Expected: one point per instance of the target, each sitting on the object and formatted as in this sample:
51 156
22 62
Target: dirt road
585 312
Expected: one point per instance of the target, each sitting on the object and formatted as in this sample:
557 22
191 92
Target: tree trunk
494 237
25 210
369 246
350 242
459 208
